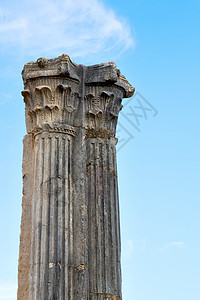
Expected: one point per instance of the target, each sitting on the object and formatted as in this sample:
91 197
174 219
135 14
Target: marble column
70 230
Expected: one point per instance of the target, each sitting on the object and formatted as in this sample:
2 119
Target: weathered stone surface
25 238
70 234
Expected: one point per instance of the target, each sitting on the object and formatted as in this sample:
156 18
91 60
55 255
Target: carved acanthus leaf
43 87
95 111
26 93
52 107
107 93
76 94
116 107
69 108
64 87
27 97
43 95
89 96
94 107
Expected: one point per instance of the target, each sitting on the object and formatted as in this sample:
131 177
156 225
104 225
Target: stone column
70 235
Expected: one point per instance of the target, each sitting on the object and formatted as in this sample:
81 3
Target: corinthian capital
61 95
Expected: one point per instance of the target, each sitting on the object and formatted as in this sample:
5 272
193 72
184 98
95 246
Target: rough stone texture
25 238
70 234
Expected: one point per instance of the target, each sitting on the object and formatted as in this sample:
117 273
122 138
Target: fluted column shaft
52 229
103 215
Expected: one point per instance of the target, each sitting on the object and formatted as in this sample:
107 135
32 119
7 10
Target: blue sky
156 45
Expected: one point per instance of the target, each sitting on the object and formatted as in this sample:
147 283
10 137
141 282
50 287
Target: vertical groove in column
45 219
70 225
88 191
52 243
91 199
38 221
103 191
115 223
99 189
69 229
110 240
106 225
32 268
56 166
63 219
93 219
72 220
60 219
49 215
95 213
66 220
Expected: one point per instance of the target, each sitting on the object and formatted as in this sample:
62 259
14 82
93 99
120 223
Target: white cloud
171 244
8 291
77 27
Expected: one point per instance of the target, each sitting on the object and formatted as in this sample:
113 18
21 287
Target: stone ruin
70 229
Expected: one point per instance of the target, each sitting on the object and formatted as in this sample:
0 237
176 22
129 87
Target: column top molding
60 93
62 66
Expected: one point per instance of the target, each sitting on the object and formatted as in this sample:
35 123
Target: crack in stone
78 268
81 267
107 295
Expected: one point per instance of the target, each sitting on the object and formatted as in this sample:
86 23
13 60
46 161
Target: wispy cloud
129 247
171 244
79 28
8 291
